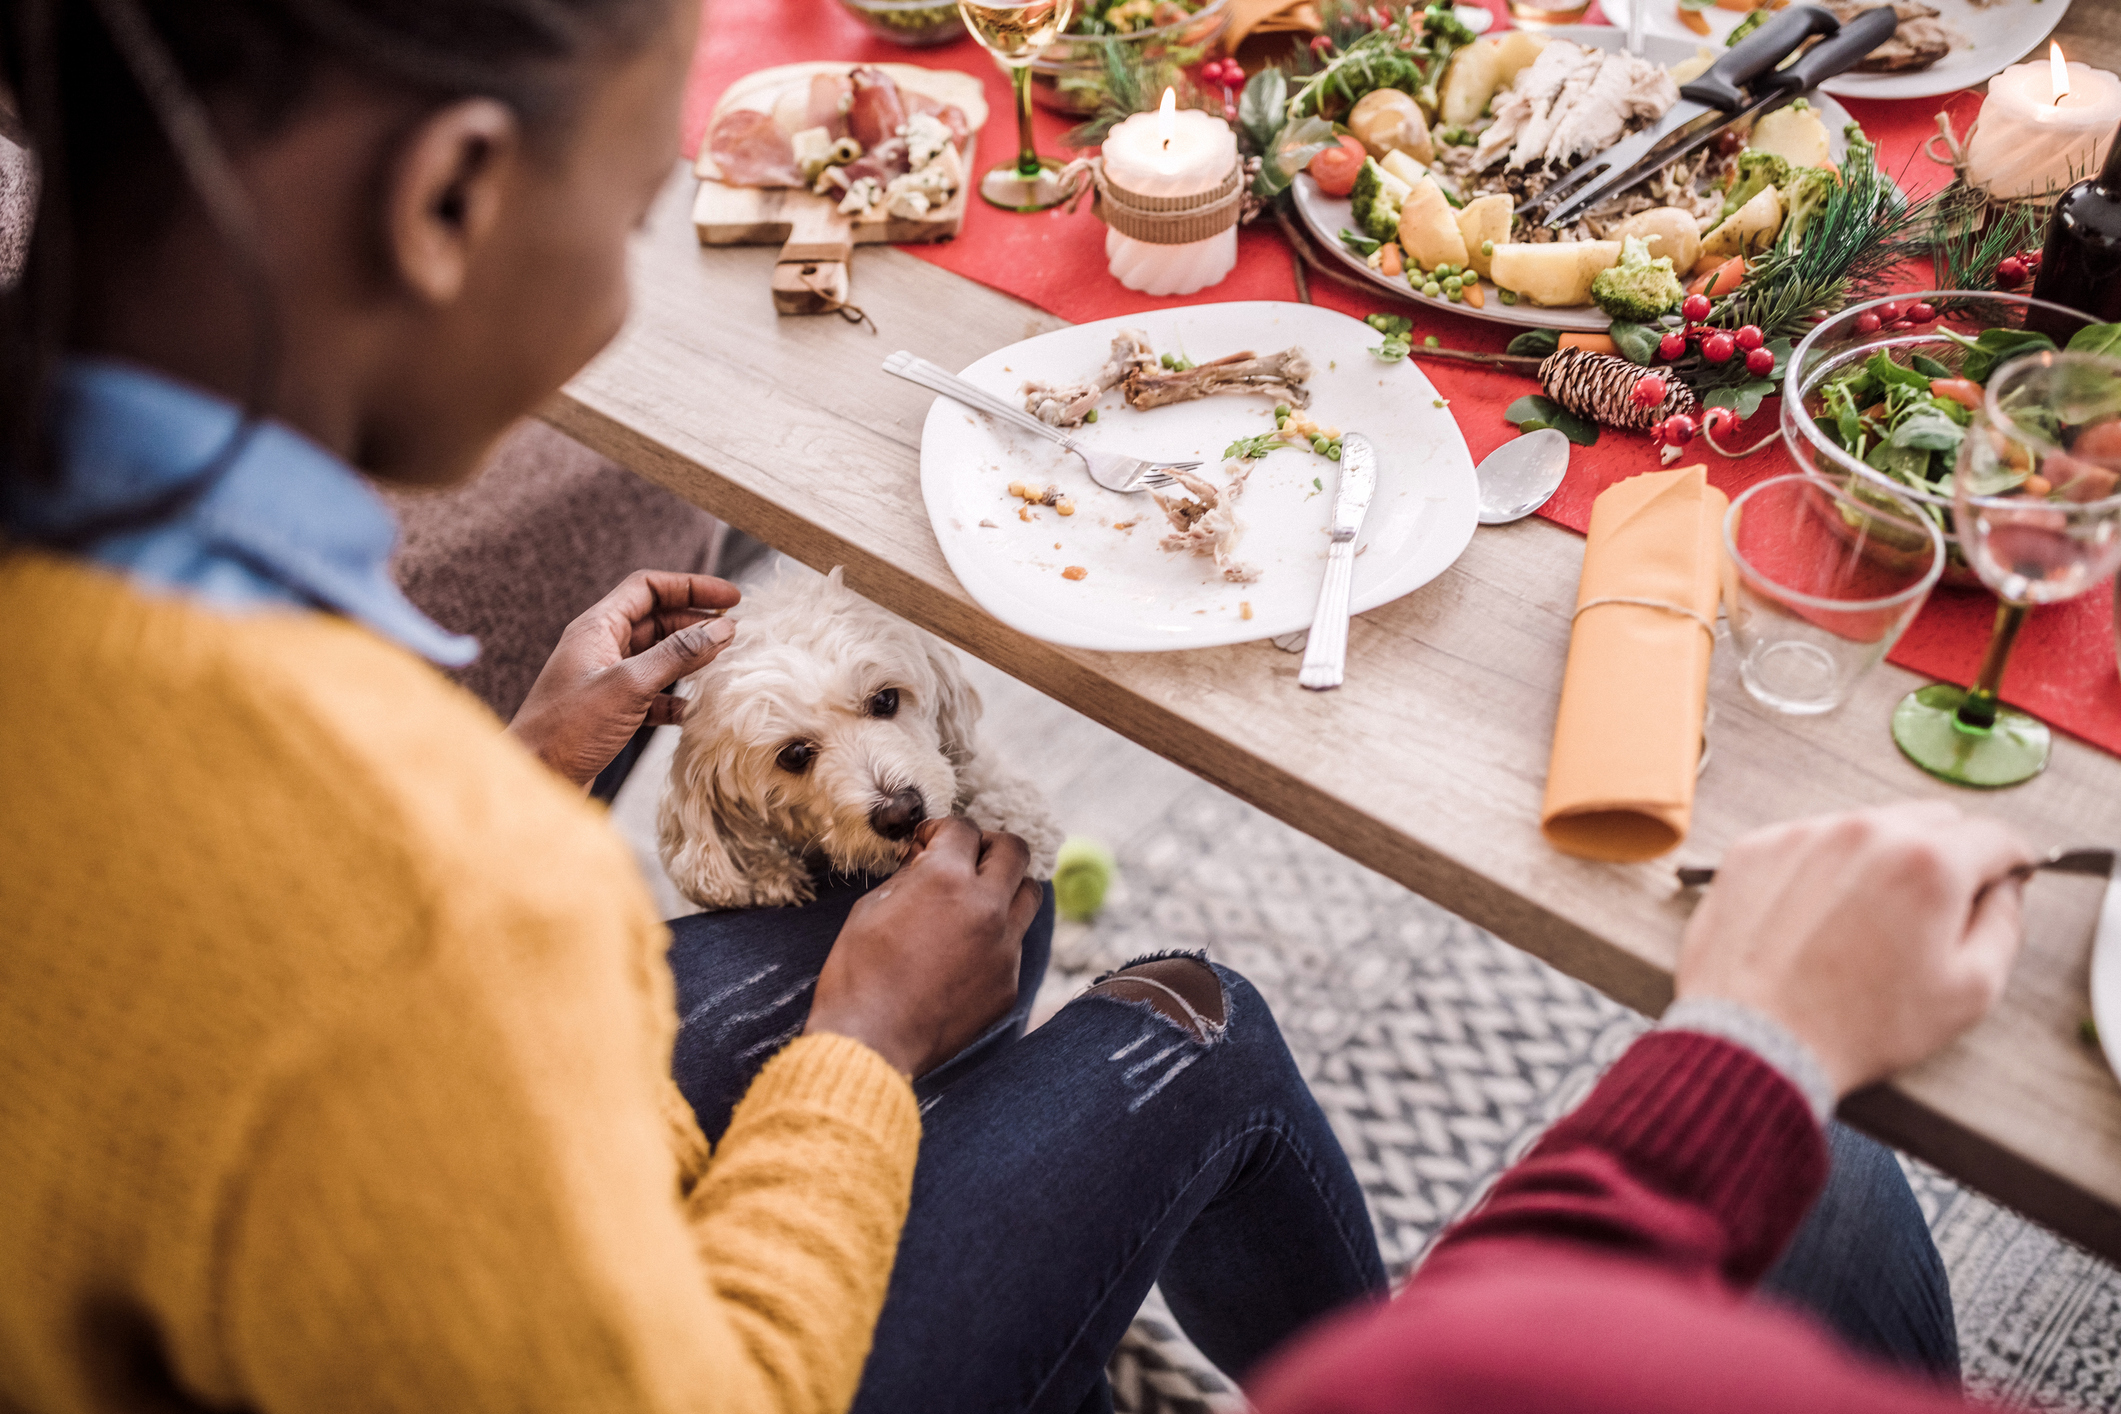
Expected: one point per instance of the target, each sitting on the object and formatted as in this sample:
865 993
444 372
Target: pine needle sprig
1967 242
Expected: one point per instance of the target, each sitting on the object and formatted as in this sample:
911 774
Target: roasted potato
1385 121
1666 230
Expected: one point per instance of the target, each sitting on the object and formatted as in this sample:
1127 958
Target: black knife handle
1724 85
1830 57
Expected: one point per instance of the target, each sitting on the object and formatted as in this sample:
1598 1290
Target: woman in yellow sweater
335 1029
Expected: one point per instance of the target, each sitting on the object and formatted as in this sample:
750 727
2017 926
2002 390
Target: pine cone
1249 205
1602 388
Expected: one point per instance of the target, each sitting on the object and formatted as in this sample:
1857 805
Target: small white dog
828 730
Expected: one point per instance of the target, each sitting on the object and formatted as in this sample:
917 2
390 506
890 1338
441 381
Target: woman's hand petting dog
612 667
928 959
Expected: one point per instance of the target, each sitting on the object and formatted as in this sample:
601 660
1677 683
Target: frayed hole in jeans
1182 989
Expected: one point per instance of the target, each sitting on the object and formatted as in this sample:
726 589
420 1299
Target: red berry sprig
2014 270
1650 390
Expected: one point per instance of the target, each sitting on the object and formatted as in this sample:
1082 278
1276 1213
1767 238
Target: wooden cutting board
816 240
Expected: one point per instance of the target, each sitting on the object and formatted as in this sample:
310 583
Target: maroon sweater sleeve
1606 1272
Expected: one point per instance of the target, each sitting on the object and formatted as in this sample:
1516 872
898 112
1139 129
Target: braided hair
111 97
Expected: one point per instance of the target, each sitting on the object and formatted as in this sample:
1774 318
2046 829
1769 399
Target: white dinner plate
2106 979
1328 216
1994 36
1136 597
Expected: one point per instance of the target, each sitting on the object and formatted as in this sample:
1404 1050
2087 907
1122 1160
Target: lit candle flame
1164 119
2059 68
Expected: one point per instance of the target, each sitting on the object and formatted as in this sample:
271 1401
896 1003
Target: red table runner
2064 666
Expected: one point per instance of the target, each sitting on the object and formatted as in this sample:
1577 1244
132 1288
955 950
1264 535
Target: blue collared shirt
287 523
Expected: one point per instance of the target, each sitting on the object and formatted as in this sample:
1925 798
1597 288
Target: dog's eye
884 703
795 757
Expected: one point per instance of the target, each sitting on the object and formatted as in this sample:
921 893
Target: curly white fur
738 829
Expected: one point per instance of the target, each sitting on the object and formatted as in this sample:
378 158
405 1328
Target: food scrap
1149 381
1205 521
1031 496
1244 608
1075 572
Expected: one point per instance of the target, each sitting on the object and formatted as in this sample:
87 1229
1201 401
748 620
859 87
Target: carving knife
1821 62
1326 654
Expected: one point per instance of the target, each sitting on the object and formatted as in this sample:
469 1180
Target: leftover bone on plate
1205 522
1133 367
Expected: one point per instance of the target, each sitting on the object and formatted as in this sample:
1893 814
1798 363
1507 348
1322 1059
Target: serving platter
1327 216
1996 34
1134 596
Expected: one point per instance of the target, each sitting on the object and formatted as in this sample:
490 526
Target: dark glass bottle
2080 267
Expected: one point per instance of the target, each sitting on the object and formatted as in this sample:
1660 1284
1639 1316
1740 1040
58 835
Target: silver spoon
1517 477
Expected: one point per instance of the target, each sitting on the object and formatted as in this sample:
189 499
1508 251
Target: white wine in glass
1014 34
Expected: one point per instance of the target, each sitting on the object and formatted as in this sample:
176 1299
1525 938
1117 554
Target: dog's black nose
895 816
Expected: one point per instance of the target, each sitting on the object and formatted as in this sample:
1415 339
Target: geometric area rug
1439 1053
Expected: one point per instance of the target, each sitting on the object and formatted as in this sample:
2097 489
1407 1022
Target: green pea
1168 361
1319 445
1487 248
1454 294
1333 452
1090 416
1281 411
1453 285
1432 342
1432 289
1507 296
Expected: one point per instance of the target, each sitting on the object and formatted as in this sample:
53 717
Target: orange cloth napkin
1627 741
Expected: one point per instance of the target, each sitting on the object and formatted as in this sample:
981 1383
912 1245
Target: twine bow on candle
1168 220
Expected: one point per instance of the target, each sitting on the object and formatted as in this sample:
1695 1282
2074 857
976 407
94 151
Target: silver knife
1705 103
2083 859
1824 60
1326 655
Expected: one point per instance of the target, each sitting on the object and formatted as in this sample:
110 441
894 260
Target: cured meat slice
883 161
828 103
877 112
752 151
948 114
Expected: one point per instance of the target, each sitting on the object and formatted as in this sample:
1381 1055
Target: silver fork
2082 860
1108 469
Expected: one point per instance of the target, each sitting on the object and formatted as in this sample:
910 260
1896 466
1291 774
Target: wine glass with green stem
2036 515
1014 34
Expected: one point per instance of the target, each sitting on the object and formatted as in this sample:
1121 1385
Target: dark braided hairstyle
113 98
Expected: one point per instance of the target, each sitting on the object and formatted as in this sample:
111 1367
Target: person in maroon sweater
1614 1269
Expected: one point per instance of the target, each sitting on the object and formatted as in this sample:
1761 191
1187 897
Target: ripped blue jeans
1060 1174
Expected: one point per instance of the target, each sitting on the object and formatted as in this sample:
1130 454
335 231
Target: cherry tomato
1335 168
1959 390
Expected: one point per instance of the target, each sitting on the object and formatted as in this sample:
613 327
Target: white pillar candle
2043 126
1170 153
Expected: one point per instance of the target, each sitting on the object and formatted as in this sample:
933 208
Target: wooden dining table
1429 765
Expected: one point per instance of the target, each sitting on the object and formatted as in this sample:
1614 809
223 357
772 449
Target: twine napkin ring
1665 604
1709 715
1169 220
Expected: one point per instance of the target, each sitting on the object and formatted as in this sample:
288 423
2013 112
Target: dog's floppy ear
957 704
689 838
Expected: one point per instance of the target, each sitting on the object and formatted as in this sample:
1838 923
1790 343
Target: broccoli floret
1803 196
1745 27
1756 170
1376 199
1638 289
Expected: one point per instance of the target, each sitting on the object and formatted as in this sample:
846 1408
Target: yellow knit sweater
334 1044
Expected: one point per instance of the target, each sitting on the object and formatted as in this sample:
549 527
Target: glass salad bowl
916 24
1068 76
1903 444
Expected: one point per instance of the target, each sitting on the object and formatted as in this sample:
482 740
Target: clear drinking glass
1822 585
2037 518
1014 34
